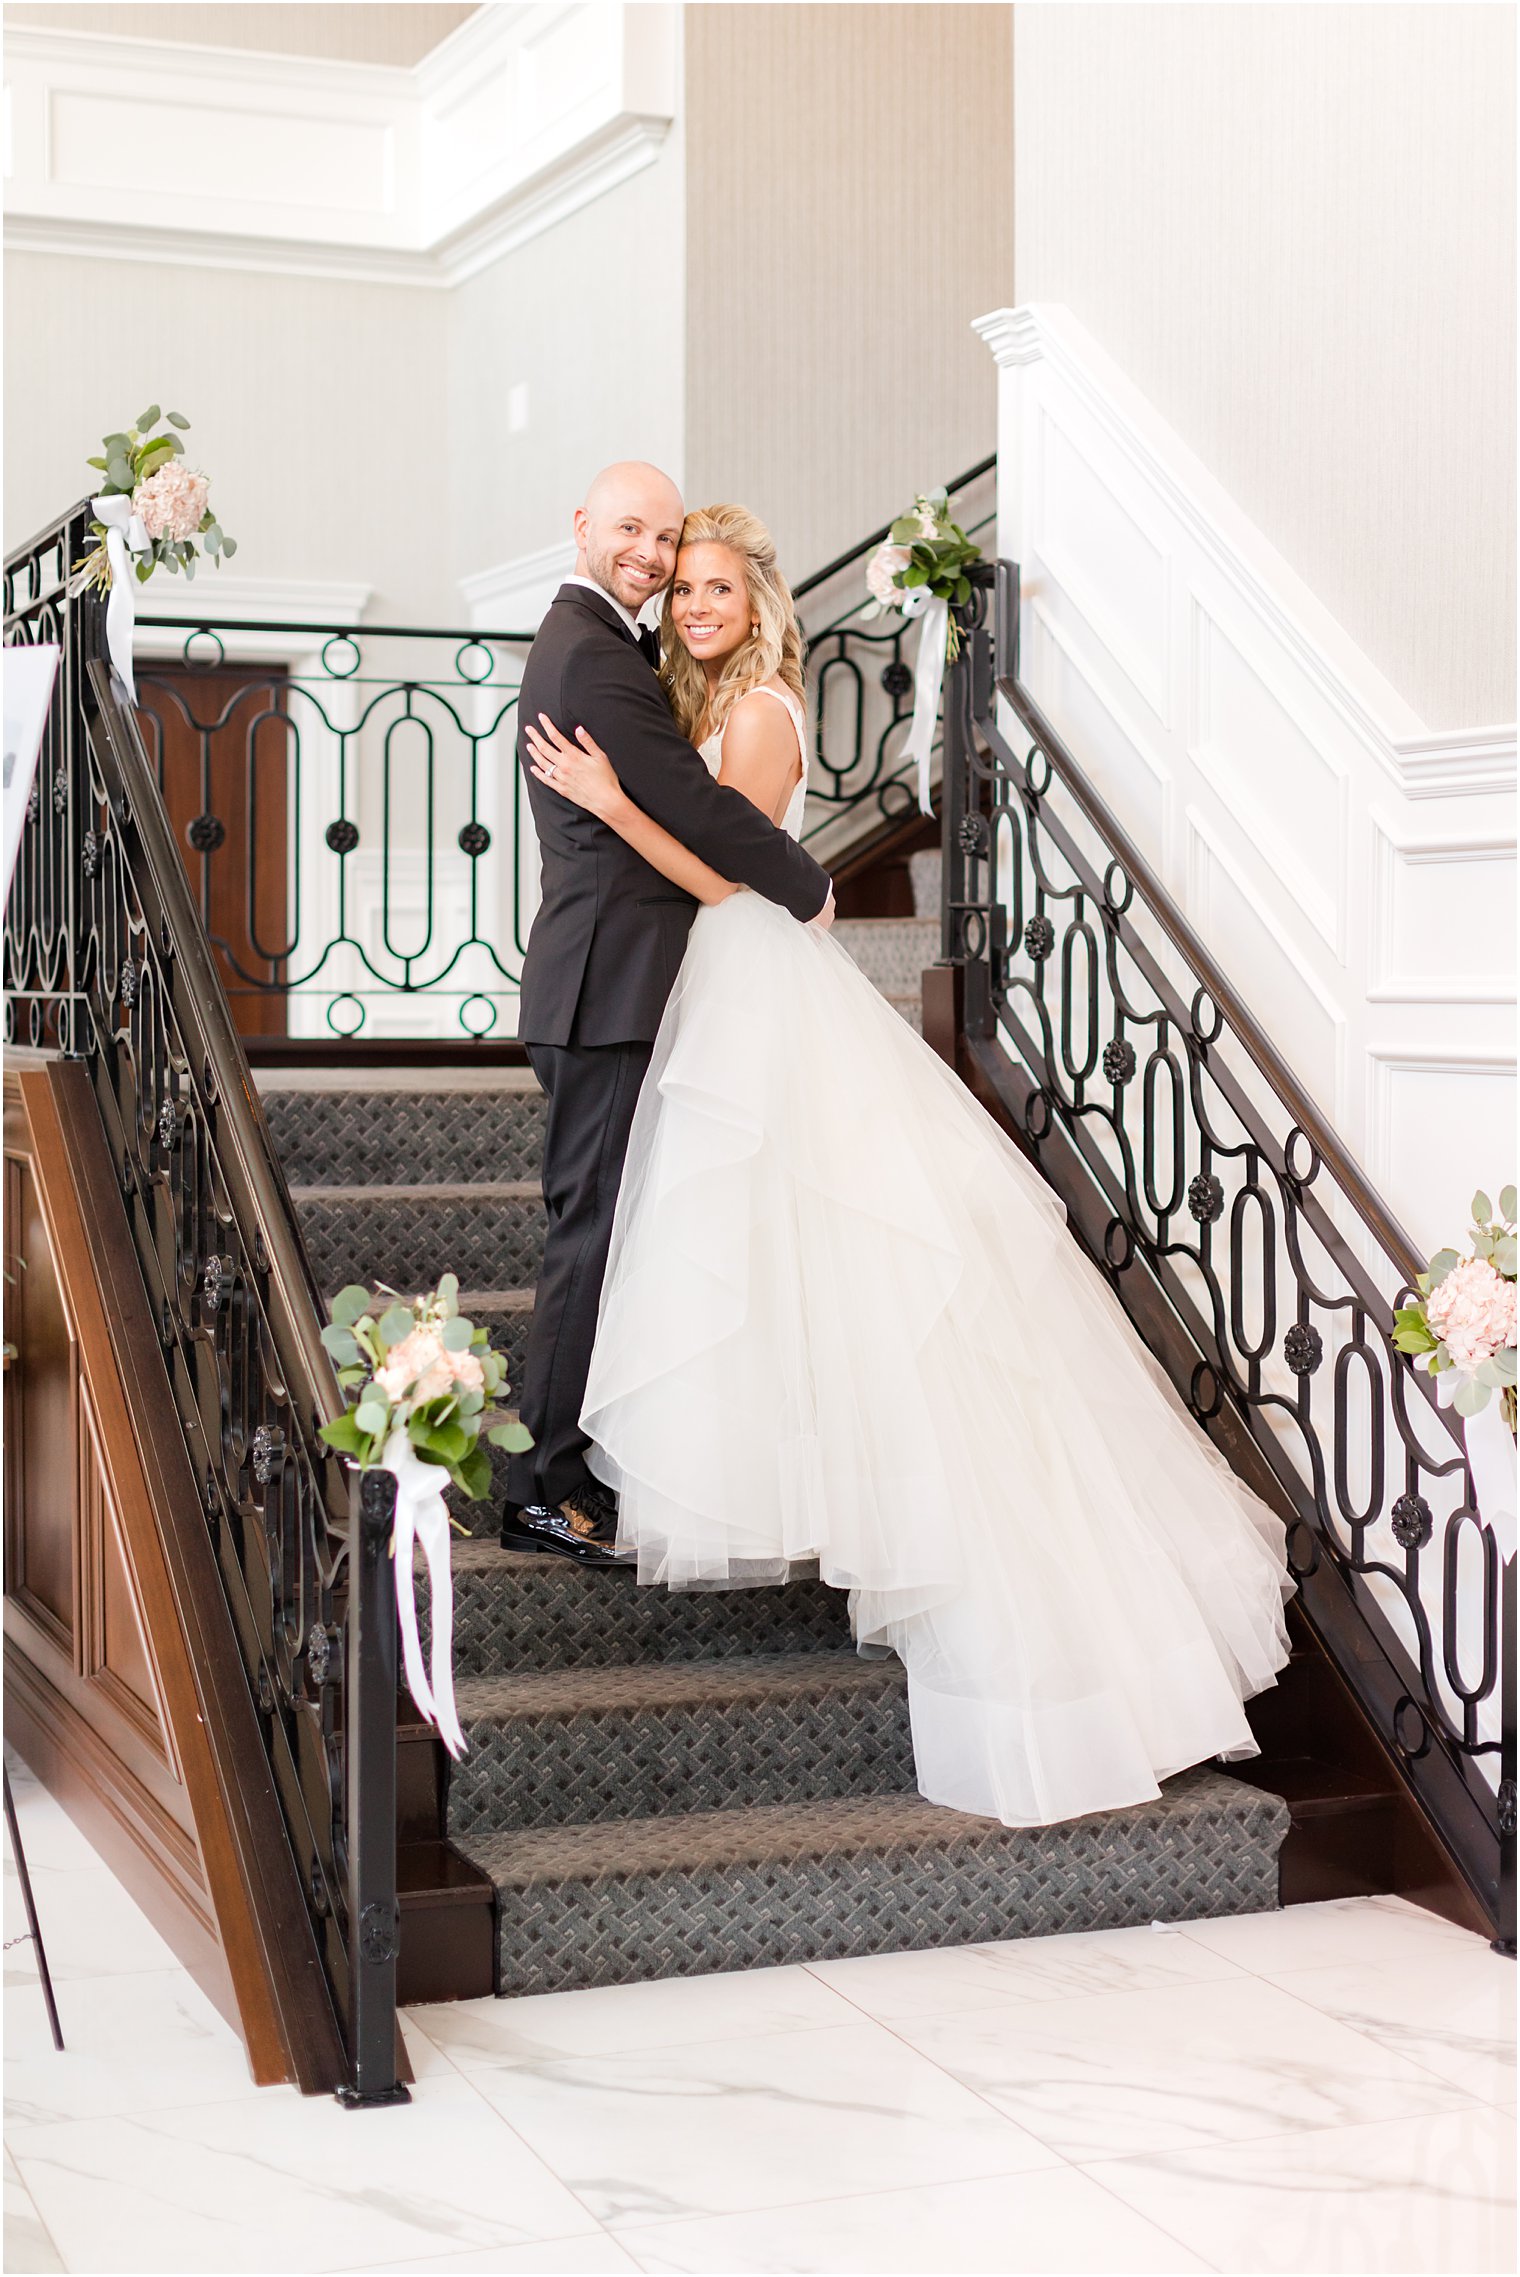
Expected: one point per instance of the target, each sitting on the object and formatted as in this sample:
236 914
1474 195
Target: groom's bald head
627 532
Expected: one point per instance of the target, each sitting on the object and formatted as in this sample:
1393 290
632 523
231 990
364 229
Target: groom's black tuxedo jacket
608 941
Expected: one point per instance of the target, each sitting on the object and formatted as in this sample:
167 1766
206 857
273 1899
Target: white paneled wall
1353 872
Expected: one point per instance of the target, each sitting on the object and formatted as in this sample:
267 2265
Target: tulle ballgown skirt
843 1320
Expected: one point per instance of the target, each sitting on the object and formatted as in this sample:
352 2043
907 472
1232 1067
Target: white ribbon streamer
126 541
422 1517
1491 1459
928 679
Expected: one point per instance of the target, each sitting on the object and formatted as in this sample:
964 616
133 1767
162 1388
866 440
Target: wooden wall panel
135 1712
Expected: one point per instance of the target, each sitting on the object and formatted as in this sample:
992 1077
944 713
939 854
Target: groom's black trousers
592 1091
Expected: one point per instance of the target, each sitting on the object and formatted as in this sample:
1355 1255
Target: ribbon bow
421 1517
928 678
126 540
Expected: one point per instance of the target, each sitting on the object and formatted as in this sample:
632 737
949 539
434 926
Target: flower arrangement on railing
151 510
424 1385
1461 1328
920 571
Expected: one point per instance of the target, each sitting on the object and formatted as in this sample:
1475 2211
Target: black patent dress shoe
579 1527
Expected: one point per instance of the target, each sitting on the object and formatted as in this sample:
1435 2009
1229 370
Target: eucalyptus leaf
516 1438
1441 1264
229 545
176 419
1482 1208
395 1322
1504 1256
1503 1365
448 1292
340 1342
373 1415
97 462
350 1304
458 1333
473 1476
147 419
1470 1397
1506 1199
904 530
213 540
342 1433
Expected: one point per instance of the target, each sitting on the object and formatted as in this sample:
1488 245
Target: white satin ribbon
928 679
1491 1459
126 541
422 1517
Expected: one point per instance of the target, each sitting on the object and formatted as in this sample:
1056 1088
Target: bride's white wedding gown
843 1319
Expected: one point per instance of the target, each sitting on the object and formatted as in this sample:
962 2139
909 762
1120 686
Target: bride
843 1320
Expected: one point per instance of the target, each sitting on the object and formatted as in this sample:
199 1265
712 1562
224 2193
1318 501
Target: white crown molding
219 249
373 173
512 595
1421 762
607 159
235 604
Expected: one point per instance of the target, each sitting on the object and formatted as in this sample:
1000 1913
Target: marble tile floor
1326 2089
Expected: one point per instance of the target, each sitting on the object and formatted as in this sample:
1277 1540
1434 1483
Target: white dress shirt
655 603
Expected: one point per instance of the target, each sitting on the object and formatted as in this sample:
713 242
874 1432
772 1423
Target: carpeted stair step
516 1613
353 1135
759 1887
891 951
491 1235
575 1746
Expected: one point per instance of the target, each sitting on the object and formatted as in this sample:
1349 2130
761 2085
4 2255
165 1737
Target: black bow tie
649 646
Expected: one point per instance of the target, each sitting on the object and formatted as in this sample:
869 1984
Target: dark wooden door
221 743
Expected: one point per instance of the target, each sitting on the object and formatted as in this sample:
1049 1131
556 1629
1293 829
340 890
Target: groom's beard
604 568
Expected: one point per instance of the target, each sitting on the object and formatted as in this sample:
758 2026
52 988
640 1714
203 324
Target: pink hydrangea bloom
886 563
1473 1313
172 502
419 1368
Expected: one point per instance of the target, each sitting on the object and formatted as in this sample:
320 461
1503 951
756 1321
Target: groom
603 956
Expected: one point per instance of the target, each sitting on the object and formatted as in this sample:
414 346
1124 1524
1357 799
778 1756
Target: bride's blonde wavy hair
774 652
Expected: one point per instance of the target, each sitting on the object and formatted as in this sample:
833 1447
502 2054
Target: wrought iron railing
106 960
354 824
1245 1243
356 848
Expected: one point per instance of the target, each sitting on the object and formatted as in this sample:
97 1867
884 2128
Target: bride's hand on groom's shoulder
580 771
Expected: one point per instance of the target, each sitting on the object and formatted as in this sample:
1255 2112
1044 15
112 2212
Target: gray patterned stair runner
662 1785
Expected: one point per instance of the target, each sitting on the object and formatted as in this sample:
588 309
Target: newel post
374 1918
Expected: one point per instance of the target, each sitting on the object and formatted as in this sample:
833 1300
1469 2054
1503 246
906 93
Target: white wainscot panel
1116 753
1286 793
1440 1127
1248 937
259 154
1110 567
1443 919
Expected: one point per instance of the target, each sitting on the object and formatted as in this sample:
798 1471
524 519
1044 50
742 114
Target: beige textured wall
311 403
1294 226
834 259
589 316
385 32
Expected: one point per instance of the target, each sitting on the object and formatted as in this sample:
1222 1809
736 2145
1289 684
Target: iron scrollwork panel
1217 1180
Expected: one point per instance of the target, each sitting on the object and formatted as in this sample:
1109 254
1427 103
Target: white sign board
29 674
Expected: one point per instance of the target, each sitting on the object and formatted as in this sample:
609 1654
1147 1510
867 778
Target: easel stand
33 1933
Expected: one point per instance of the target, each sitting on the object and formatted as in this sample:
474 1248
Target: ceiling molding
310 167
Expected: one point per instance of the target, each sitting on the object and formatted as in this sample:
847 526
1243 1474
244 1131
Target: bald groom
603 956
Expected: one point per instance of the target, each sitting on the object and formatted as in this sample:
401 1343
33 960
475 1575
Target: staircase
663 1785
